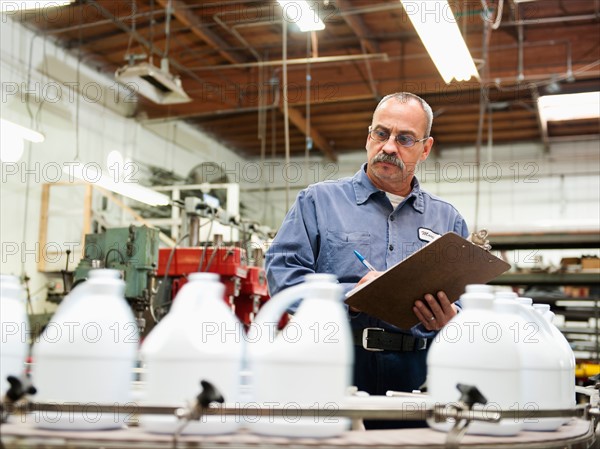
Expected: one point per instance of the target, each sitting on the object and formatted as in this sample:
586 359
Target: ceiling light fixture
90 174
12 140
22 131
554 108
436 26
300 13
153 83
14 6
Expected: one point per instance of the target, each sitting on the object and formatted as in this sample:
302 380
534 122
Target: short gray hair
404 97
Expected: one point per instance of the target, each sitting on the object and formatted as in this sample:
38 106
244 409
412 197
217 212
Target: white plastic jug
566 354
474 349
199 339
15 323
86 355
545 311
541 363
308 364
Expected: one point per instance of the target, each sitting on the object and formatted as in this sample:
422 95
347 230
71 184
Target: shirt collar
364 188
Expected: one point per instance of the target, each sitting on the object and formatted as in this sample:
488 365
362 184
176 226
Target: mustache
389 159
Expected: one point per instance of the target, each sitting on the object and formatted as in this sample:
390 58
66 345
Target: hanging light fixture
156 84
436 26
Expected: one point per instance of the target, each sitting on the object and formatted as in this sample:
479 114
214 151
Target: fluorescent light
115 162
12 147
300 13
12 140
91 174
153 83
436 26
22 131
8 6
555 108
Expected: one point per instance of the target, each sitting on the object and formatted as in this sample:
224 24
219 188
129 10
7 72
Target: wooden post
43 232
87 215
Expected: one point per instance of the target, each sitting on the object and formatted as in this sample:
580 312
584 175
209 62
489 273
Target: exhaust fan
153 83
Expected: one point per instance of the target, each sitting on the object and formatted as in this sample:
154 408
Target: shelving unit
548 279
546 240
584 339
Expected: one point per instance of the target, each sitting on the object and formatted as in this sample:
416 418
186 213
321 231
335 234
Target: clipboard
449 263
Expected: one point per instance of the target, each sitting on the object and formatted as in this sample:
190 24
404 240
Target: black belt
377 339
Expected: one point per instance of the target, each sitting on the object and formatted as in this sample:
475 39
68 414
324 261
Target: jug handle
271 312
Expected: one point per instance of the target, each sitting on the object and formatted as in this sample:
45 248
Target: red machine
245 286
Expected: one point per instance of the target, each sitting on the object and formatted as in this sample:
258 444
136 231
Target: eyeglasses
405 140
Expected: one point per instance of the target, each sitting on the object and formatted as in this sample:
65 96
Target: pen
364 261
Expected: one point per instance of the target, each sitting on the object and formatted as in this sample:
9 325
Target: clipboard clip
480 238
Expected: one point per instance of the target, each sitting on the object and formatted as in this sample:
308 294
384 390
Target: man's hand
434 313
366 278
369 276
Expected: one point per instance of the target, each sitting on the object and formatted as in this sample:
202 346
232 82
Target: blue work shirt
331 219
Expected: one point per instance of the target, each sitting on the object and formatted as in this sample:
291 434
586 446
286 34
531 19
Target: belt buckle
365 337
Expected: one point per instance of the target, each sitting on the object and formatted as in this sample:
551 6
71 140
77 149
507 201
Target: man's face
390 162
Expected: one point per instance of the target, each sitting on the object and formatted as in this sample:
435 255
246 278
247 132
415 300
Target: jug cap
506 305
542 307
525 301
11 285
320 277
477 296
9 279
201 276
506 295
104 273
478 288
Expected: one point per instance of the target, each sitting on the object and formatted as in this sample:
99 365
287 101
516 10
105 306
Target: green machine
134 252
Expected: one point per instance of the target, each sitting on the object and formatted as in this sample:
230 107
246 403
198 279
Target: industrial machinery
245 285
154 276
244 278
134 252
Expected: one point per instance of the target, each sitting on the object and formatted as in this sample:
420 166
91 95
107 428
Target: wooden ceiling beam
319 140
181 12
454 117
502 135
358 26
472 127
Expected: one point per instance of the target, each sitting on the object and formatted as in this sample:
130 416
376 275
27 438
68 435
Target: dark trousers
378 372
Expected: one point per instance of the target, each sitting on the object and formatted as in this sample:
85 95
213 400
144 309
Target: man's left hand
434 313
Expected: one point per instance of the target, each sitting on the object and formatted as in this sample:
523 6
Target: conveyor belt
577 434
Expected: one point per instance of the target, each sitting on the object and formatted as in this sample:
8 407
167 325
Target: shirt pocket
340 258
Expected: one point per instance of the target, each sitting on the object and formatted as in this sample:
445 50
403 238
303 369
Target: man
383 214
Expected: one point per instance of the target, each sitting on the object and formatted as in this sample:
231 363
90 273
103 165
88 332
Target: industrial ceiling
229 56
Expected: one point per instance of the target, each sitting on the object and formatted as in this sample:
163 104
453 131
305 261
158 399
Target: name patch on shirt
427 235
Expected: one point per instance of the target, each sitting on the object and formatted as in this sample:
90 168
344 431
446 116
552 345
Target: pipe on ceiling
319 60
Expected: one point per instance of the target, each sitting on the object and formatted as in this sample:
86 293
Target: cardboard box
590 263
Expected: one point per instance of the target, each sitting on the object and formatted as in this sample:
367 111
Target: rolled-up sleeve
460 227
294 250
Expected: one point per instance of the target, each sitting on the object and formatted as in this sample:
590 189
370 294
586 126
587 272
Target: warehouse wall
521 186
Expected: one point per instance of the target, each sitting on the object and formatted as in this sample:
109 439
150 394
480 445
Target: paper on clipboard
449 264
